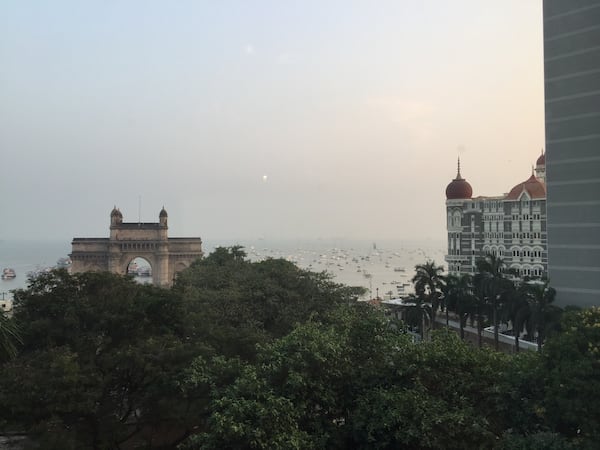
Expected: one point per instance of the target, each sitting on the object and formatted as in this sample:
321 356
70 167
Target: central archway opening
141 270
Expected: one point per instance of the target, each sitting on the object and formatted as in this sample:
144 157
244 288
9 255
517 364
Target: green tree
99 356
233 304
571 364
353 379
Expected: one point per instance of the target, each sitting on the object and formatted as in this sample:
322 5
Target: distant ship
8 274
63 263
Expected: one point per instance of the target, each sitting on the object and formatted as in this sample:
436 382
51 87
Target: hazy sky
271 119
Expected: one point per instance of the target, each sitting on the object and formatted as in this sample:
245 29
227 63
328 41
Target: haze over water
262 119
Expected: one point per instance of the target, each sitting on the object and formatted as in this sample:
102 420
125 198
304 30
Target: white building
511 226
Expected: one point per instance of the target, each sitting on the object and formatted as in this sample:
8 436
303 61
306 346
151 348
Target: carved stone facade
129 240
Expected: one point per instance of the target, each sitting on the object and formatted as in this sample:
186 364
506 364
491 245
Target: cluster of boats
380 270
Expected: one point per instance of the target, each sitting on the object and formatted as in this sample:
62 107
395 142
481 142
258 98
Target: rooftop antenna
139 209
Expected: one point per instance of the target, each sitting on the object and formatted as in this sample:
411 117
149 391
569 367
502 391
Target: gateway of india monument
129 240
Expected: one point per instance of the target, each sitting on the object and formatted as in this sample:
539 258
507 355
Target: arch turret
163 216
116 218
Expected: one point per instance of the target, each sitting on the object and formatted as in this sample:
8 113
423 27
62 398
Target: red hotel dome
459 188
534 187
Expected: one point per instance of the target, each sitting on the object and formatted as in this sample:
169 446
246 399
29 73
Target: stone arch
128 259
178 266
130 240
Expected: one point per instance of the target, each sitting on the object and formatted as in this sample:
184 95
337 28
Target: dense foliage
245 355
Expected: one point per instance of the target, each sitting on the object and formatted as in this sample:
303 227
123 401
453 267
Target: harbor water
384 268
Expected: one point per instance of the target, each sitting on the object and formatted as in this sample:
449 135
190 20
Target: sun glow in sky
356 110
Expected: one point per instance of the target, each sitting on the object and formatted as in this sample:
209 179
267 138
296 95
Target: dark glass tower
572 100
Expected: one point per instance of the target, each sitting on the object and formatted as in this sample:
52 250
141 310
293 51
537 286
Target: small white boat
8 274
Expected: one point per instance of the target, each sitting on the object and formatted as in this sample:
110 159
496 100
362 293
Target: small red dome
541 161
534 187
459 188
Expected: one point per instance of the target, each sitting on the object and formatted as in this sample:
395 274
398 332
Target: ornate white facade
511 226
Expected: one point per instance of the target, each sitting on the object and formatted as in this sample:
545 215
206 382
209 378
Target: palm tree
458 296
476 310
539 295
493 287
449 294
418 314
428 281
9 337
519 313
